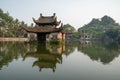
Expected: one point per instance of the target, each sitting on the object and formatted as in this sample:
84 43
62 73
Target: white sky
75 12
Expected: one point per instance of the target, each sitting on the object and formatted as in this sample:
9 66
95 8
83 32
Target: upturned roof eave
42 31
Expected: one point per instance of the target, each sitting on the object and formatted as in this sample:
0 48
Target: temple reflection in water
47 55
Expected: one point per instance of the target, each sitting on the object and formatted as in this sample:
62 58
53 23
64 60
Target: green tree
98 27
107 20
111 35
10 27
68 27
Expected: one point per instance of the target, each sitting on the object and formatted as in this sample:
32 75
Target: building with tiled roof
47 20
47 25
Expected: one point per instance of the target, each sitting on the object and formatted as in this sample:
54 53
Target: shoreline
13 39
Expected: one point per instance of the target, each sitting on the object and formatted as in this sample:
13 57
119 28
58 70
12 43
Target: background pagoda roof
47 20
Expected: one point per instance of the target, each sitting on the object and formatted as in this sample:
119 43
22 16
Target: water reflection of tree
47 55
10 51
70 47
101 52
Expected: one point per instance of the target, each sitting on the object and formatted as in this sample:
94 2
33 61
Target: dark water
69 61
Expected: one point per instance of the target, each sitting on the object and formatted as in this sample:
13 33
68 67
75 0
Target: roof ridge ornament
40 14
54 14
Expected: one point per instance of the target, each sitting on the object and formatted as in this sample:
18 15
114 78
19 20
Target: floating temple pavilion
46 26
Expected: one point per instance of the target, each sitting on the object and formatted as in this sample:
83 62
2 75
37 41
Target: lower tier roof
43 29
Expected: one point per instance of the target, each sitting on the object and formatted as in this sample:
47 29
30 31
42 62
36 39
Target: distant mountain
100 26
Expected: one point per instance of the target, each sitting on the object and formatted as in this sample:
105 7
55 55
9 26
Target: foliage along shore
13 39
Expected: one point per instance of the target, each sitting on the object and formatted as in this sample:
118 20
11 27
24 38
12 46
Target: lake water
70 61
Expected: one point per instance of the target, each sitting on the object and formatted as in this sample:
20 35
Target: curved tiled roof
43 29
47 20
44 20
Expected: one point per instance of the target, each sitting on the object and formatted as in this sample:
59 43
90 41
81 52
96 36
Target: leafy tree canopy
68 27
10 27
100 26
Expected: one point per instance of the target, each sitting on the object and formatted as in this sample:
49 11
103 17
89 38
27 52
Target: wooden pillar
41 37
62 36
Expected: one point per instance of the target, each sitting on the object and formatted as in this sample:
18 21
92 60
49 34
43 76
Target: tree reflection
10 51
70 47
104 53
47 56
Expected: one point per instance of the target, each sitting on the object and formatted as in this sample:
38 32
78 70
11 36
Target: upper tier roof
47 20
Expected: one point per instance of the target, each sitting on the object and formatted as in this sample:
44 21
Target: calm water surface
69 61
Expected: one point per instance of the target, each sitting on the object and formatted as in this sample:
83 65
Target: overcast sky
75 12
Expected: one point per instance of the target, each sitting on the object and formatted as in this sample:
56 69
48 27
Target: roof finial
40 14
61 25
54 14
